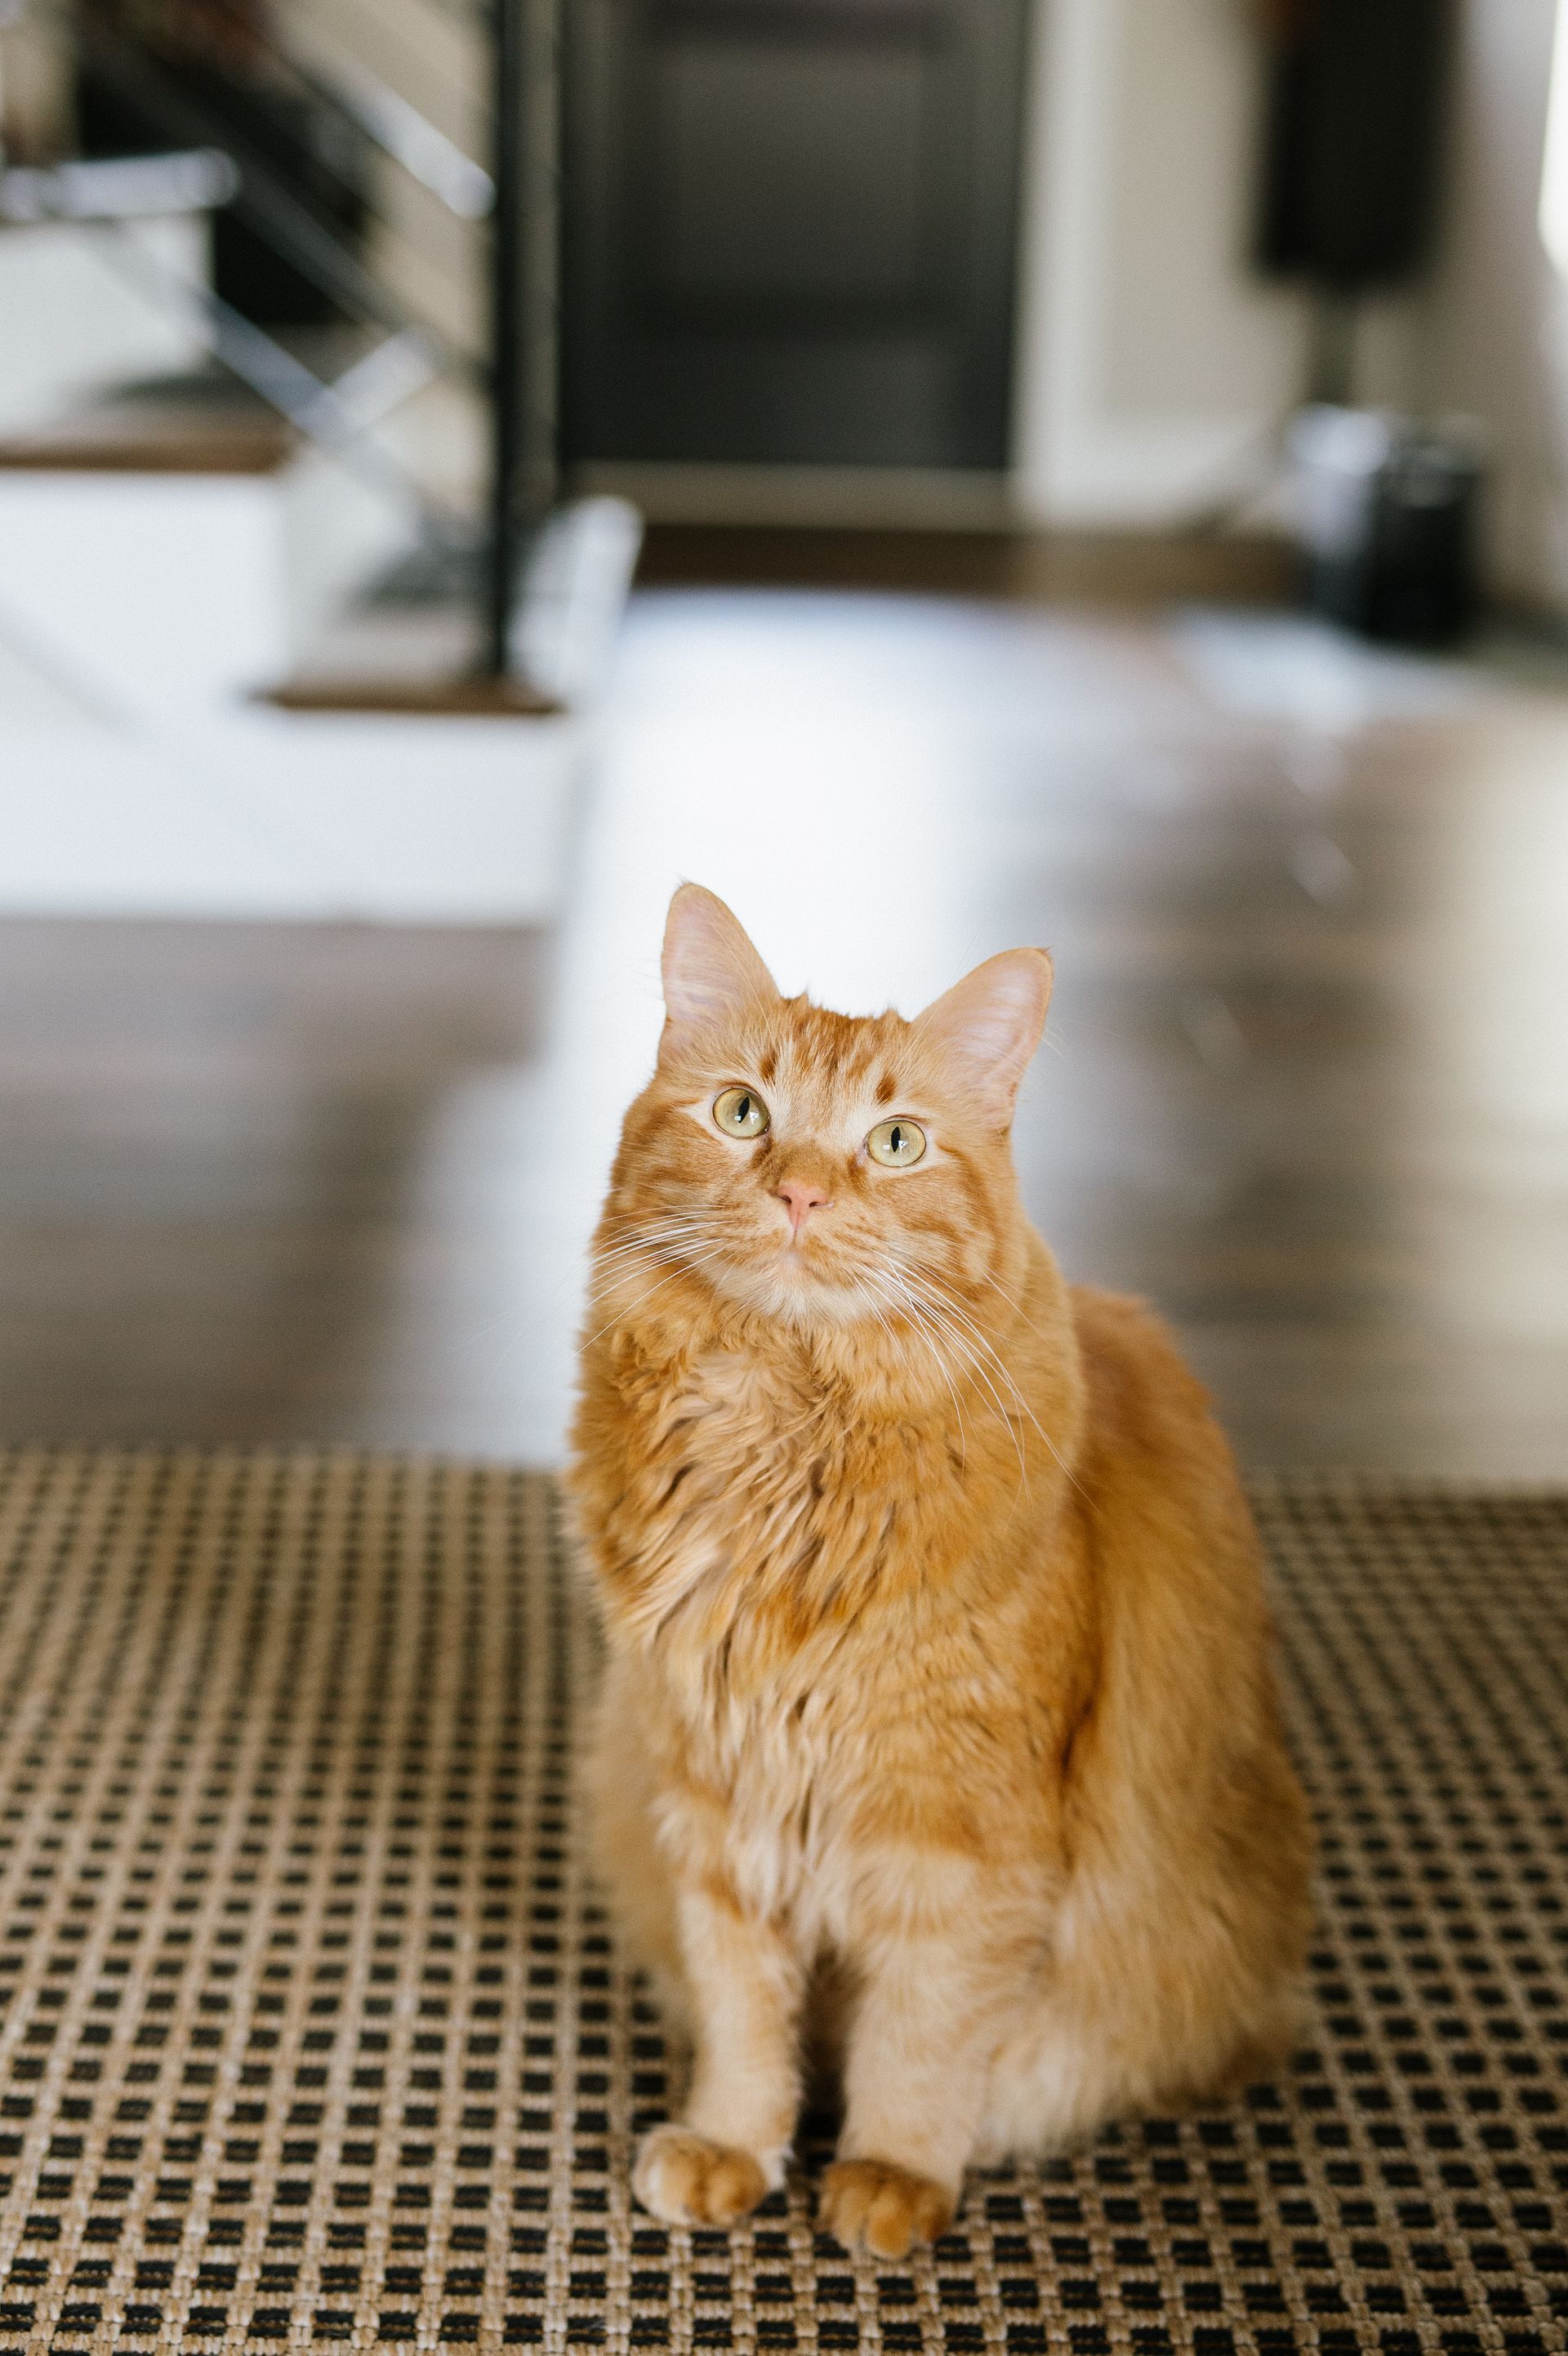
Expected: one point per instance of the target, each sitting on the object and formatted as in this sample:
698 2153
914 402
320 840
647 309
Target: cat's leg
745 1985
931 2012
622 1790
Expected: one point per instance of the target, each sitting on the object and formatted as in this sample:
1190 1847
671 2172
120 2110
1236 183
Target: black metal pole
508 364
1331 345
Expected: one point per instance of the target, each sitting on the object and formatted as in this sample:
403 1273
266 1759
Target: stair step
441 690
408 652
140 433
175 545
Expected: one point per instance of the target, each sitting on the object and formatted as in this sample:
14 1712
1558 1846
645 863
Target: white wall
1148 360
434 58
1153 364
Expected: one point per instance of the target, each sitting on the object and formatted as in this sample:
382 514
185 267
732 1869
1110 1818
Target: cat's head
822 1167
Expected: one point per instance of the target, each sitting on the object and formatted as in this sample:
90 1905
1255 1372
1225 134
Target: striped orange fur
939 1742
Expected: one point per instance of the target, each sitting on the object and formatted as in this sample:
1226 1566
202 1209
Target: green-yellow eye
740 1112
896 1143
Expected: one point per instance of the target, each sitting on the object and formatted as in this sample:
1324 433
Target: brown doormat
313 2032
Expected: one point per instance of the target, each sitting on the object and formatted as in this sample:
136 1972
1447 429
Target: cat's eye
740 1112
896 1143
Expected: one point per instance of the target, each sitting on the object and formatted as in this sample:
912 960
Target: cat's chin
792 1292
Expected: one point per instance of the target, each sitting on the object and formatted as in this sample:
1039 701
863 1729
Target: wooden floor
1308 1085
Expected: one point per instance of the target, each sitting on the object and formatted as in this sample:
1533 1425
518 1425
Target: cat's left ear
710 970
987 1027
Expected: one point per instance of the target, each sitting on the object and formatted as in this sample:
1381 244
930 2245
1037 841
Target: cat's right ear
710 970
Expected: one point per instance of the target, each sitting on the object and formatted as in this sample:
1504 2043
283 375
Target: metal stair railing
214 166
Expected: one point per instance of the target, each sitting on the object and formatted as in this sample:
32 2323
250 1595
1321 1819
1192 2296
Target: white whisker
678 1264
989 1347
978 1347
911 1312
667 1231
977 1368
930 1330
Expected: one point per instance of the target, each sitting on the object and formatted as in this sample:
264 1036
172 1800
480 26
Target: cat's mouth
804 1255
796 1279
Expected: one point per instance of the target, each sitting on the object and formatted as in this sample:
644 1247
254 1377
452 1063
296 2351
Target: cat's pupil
742 1110
897 1139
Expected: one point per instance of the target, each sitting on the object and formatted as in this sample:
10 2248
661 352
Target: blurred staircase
315 254
276 473
181 545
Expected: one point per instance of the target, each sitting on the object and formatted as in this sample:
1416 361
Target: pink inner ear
987 1026
711 969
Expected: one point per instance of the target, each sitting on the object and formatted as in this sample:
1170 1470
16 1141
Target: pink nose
799 1196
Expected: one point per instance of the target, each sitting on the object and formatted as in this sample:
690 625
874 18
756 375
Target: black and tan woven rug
312 2031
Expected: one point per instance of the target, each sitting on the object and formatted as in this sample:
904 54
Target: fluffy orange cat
940 1736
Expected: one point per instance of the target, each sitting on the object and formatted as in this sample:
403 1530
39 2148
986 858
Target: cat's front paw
688 2180
872 2205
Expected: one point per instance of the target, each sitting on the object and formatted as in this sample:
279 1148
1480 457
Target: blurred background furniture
1357 118
793 232
363 295
348 1061
278 423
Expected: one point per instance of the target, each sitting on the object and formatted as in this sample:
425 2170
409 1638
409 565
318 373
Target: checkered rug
313 2031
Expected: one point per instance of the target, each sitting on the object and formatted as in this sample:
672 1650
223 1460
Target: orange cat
940 1734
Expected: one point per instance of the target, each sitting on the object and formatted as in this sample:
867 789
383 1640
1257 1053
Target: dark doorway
790 231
